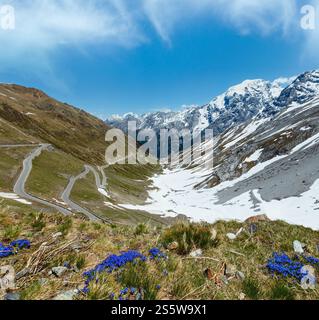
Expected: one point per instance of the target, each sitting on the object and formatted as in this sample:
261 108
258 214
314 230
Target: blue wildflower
157 253
6 251
21 244
124 292
281 264
113 263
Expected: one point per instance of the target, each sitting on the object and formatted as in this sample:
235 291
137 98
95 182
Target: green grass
184 278
11 160
251 289
85 191
51 172
139 275
189 236
281 292
130 183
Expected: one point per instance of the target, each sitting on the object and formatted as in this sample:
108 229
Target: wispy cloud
45 26
246 16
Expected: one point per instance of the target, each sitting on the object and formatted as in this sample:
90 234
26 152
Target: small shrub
38 223
11 232
97 226
281 292
82 227
31 292
189 236
251 289
141 229
138 275
80 262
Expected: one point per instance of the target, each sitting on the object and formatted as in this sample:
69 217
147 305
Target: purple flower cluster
6 251
281 264
156 253
311 260
127 293
110 264
115 262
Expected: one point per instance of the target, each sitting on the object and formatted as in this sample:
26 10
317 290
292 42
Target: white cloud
45 26
49 23
246 16
42 27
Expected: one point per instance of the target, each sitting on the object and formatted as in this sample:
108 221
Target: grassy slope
69 129
51 172
129 183
10 165
86 194
186 279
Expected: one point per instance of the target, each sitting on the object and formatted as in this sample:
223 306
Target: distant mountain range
265 155
243 102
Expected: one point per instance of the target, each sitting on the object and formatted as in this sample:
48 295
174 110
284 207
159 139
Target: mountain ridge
240 103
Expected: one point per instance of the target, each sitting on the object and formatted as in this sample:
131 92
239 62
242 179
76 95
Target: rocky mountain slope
29 115
237 105
266 165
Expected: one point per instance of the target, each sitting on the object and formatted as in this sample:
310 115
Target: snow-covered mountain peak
240 103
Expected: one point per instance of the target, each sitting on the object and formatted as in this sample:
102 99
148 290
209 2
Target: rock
214 234
298 247
230 270
231 236
43 281
67 295
172 246
224 280
24 272
310 269
76 247
7 278
75 269
242 296
240 275
57 235
309 280
12 296
196 253
258 218
59 271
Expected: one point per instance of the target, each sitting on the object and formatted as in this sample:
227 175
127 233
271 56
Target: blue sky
117 56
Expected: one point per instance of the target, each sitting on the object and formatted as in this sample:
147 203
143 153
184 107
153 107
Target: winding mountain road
19 187
67 192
